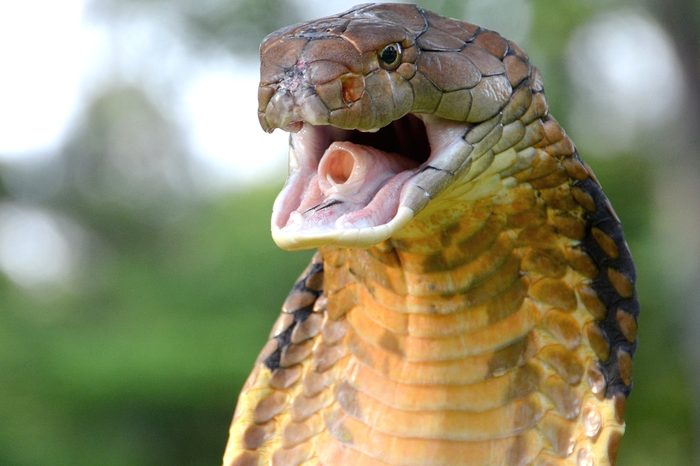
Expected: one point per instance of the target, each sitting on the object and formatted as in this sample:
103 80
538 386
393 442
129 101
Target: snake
472 299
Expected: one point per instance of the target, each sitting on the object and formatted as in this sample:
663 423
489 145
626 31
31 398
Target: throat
470 265
440 330
416 314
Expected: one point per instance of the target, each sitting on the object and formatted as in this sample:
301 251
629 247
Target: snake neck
467 245
433 285
477 308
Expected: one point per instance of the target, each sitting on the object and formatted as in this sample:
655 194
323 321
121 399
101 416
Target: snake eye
390 56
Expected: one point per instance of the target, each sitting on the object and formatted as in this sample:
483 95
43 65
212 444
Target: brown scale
503 337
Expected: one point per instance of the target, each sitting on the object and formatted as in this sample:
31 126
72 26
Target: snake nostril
353 88
294 126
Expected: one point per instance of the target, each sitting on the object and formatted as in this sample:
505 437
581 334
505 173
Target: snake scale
472 300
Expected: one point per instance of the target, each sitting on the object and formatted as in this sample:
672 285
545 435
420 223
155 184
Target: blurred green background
138 277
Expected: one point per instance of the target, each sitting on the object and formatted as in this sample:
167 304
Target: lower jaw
344 237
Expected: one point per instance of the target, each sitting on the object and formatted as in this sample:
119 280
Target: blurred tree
682 172
236 26
126 168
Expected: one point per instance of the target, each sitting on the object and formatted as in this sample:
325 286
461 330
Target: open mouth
355 188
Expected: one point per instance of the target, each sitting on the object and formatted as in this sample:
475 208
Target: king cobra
472 299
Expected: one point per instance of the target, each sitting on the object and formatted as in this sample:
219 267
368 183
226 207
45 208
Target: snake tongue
353 186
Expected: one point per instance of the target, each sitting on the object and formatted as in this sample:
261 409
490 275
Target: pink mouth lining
353 188
348 186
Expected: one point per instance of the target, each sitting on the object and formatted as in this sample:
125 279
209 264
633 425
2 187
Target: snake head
378 101
350 71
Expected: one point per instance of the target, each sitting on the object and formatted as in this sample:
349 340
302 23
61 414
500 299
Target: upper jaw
287 109
354 195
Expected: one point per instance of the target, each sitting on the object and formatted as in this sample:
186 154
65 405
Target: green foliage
240 26
236 26
144 368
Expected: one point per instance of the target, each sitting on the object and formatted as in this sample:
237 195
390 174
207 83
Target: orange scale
468 370
503 421
482 396
415 349
350 442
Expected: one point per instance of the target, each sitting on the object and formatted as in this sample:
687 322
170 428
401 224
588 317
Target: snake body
472 300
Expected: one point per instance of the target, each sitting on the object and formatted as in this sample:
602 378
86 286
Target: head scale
373 64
